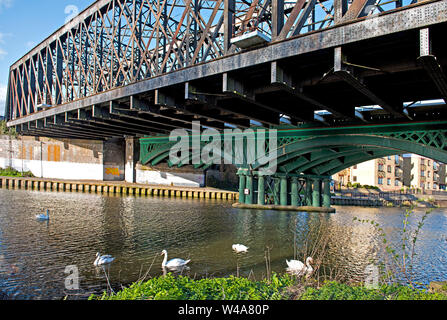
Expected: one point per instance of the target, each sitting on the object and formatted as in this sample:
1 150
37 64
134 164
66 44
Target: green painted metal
316 193
283 191
249 186
261 190
309 192
241 189
322 152
294 192
327 193
276 188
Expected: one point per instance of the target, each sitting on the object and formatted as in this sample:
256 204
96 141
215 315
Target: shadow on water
134 230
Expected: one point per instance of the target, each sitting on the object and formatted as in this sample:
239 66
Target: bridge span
341 81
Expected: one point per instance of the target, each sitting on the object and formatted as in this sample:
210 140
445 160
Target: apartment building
424 173
396 172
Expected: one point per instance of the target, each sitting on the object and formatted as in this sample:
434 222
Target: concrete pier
284 208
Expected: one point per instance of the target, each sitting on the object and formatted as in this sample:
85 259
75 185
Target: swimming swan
239 248
298 268
174 263
101 260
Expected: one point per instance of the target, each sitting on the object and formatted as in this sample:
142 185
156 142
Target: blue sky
23 25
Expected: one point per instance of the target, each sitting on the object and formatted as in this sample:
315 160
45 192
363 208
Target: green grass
279 288
10 172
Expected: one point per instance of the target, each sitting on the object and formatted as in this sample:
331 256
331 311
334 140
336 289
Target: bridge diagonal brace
343 73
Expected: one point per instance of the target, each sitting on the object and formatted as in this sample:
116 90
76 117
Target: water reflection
134 230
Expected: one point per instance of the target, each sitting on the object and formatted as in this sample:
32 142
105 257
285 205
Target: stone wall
111 160
163 175
63 158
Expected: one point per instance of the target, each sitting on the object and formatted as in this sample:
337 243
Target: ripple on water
34 255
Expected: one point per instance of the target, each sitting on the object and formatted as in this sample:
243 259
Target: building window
428 162
355 167
389 157
435 186
388 168
422 161
380 181
422 173
396 159
388 181
380 167
354 178
428 174
428 185
422 185
396 183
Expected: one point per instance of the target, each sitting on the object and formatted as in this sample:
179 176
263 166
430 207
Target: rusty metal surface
94 60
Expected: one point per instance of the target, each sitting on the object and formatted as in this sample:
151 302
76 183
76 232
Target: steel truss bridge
341 80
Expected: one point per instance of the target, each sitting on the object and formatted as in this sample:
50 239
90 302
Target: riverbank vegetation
391 277
5 130
10 172
280 287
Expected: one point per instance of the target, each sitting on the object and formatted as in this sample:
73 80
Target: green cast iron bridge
342 82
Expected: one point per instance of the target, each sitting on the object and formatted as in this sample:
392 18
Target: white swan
43 217
174 263
298 268
101 260
239 248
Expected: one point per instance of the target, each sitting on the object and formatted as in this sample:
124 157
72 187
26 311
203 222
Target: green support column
276 191
294 192
261 190
327 193
241 188
308 192
316 193
284 195
249 186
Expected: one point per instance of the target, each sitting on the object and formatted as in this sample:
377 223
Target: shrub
185 288
5 130
338 291
10 172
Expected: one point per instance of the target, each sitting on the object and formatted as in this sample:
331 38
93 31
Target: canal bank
113 187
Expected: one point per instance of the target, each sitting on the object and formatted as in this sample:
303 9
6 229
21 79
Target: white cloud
3 90
30 44
5 4
2 53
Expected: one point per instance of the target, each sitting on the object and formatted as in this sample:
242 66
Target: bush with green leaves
338 291
10 172
170 287
5 130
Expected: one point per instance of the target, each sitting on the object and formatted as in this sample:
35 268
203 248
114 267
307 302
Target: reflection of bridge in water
143 68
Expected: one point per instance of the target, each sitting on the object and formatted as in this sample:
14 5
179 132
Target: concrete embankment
115 188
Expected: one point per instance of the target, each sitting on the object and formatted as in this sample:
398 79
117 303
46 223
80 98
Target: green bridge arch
308 157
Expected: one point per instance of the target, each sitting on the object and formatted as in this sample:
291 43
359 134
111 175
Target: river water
34 255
